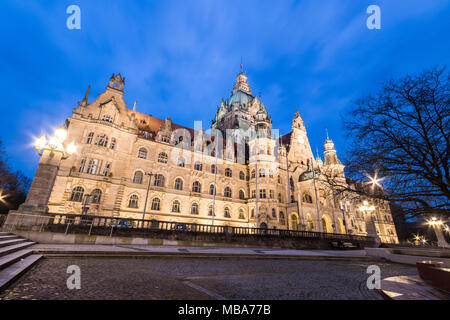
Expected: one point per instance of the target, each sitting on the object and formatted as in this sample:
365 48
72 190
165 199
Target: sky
180 58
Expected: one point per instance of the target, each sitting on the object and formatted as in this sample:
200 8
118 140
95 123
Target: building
127 160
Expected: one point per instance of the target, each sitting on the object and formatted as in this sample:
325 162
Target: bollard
90 229
112 228
67 229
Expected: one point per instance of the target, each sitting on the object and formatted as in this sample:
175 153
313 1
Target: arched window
181 162
228 172
211 210
102 140
241 214
253 175
281 217
241 175
96 196
274 213
176 206
198 166
241 195
112 145
227 192
307 198
196 187
162 157
77 194
90 138
213 168
133 202
156 204
194 208
142 153
159 180
178 184
226 212
212 190
262 173
138 176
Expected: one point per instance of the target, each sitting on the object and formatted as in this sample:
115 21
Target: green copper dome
241 97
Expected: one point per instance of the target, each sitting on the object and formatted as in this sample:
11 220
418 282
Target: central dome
241 97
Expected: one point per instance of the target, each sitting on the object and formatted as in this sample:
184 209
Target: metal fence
112 226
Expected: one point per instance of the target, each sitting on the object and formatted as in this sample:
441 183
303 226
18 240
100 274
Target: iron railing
102 225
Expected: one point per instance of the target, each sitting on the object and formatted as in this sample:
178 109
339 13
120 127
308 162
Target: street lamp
55 143
149 174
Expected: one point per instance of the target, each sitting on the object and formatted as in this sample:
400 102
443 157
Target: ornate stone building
127 160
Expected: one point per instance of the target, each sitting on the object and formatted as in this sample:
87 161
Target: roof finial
134 107
317 152
326 129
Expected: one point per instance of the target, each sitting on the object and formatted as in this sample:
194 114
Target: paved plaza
188 278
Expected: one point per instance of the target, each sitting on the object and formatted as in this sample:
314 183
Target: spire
134 107
241 83
330 152
84 102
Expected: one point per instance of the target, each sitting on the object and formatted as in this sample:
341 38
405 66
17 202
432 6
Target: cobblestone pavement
159 278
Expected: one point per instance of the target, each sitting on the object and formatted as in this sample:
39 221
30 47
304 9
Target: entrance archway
327 224
294 220
309 223
341 225
263 225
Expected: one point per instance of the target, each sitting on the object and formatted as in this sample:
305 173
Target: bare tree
402 135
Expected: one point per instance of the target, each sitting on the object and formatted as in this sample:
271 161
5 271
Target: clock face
301 140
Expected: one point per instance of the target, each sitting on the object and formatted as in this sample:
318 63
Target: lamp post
149 174
437 227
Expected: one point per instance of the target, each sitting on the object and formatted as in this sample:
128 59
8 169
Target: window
96 196
227 192
280 199
252 213
241 195
181 162
270 173
156 204
107 169
82 164
198 166
165 139
196 187
92 166
212 190
107 118
307 198
226 212
102 140
253 175
142 153
241 175
274 213
133 202
194 208
281 217
228 172
211 210
162 157
159 180
112 145
77 194
262 173
262 193
241 214
176 206
253 194
279 179
213 169
271 194
90 138
178 184
138 176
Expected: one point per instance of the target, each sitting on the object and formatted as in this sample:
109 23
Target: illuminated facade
261 180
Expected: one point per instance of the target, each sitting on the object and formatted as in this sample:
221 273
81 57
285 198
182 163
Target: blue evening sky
181 57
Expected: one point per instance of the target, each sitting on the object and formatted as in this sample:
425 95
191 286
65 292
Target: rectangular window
92 166
262 193
82 164
107 169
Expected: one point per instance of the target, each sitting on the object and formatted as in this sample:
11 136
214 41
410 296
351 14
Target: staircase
15 258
